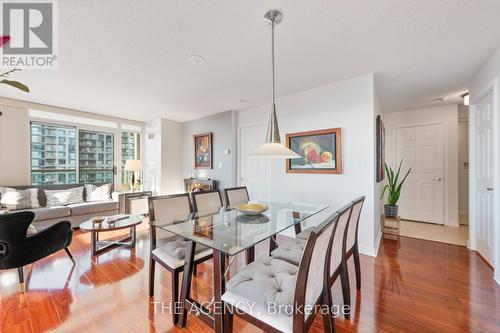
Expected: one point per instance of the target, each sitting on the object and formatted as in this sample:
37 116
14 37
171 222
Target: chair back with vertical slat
313 268
235 196
352 228
207 202
337 249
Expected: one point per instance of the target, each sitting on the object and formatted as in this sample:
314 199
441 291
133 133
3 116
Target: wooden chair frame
194 194
226 195
300 324
175 272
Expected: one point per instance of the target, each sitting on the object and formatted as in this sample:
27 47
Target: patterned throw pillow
64 197
97 193
13 199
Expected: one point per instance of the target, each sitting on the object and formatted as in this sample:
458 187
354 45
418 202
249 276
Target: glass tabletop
231 232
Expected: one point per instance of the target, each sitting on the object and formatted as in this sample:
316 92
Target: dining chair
270 283
235 196
292 251
352 239
338 266
20 245
207 202
171 253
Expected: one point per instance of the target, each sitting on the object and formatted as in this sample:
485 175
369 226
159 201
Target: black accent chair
17 249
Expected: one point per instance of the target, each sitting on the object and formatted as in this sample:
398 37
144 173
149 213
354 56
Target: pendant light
273 148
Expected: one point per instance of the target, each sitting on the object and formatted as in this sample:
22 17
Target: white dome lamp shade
273 148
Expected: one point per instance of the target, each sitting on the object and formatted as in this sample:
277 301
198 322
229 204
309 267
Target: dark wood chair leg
70 255
175 296
186 281
328 318
346 291
228 321
357 267
152 265
20 272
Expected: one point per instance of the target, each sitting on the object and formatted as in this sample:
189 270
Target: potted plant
393 189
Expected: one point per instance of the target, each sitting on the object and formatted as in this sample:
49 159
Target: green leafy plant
4 77
394 186
12 83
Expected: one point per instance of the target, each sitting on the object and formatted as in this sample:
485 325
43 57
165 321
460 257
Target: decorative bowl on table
251 208
97 219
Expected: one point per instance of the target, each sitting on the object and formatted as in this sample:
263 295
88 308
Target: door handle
438 179
489 189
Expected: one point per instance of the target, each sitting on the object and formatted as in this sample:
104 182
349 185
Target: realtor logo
31 27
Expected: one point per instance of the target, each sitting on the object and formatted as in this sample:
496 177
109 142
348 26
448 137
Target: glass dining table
229 233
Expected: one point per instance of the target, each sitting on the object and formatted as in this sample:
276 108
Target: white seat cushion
265 289
93 207
173 252
290 250
305 233
47 213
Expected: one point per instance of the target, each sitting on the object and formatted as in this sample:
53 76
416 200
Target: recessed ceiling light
196 59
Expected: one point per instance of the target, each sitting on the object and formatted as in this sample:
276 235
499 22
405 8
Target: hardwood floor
418 286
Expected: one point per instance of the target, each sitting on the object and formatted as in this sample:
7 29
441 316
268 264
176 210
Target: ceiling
130 58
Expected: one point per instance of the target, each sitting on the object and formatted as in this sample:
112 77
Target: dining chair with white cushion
292 251
273 284
351 249
171 252
235 196
207 202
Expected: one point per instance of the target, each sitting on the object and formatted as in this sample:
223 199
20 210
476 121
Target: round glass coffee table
126 222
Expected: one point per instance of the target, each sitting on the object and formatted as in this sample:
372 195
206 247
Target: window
96 157
69 155
53 154
131 143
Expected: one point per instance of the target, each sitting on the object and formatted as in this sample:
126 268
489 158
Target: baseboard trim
371 251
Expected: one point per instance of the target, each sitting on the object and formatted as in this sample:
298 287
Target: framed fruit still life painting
202 151
320 151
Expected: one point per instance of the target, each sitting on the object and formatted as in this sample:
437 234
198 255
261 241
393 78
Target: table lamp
134 166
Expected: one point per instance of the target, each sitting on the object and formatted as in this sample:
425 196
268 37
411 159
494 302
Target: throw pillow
97 193
64 197
13 199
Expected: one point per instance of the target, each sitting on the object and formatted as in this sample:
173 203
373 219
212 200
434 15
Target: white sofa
74 213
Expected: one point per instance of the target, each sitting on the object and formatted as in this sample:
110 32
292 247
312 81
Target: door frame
491 87
445 160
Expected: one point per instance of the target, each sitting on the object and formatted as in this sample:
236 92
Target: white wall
163 157
481 82
222 126
14 146
448 116
347 104
378 203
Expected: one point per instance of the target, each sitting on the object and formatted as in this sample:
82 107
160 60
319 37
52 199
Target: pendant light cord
272 58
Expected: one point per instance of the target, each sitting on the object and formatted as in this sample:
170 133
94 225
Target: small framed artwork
380 129
320 151
202 151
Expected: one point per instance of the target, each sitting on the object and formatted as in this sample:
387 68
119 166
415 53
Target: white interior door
484 176
254 172
422 149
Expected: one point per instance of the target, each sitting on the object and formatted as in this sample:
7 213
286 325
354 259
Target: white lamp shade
133 165
274 150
